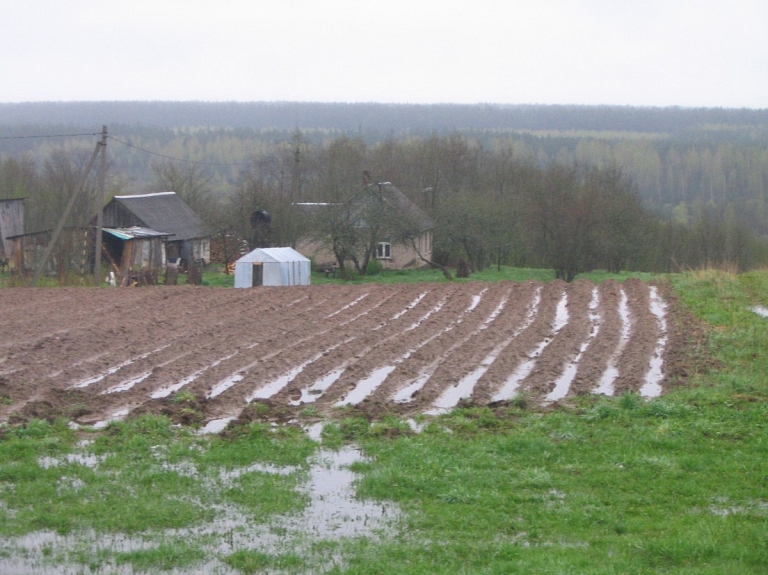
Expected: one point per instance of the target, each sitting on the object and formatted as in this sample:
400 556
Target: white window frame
384 251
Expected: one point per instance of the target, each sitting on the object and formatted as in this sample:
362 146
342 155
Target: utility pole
100 207
64 216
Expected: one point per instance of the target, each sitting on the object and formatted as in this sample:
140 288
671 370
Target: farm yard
99 355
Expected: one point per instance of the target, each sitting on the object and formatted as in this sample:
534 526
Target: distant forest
687 165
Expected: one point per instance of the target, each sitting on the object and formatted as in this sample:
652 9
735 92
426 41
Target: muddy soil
200 354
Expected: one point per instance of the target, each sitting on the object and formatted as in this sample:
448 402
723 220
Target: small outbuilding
184 231
135 253
11 224
272 267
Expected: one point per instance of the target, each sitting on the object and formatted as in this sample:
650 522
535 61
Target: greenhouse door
258 275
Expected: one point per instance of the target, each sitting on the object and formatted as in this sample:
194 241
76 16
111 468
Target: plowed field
94 355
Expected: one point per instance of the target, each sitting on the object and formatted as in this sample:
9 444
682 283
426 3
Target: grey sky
625 52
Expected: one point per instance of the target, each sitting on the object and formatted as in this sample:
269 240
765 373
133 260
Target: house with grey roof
401 230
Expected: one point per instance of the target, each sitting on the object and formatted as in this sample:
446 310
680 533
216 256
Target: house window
384 251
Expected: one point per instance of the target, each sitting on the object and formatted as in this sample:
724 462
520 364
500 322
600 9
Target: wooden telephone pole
101 146
100 206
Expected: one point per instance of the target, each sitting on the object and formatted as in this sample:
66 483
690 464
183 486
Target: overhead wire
173 158
135 147
46 136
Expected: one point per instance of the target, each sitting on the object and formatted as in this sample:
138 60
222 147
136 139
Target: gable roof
402 203
164 211
278 255
383 192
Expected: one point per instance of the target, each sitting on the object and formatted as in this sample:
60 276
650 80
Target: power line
126 144
46 136
172 158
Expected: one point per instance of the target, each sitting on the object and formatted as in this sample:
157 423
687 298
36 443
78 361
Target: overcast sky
711 53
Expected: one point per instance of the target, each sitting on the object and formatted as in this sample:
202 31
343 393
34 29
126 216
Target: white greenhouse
272 267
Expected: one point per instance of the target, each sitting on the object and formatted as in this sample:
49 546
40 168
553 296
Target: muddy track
97 354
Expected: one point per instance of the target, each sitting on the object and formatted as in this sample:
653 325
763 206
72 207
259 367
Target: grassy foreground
675 485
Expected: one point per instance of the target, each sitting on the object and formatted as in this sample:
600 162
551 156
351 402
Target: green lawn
492 273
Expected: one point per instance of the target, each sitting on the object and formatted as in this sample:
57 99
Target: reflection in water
333 512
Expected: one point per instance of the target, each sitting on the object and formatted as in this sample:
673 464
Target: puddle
612 371
117 416
216 425
405 395
275 386
652 386
314 391
760 310
509 389
116 368
84 459
225 384
315 431
98 378
366 312
227 475
126 385
563 383
759 508
455 393
409 307
366 386
166 391
333 512
426 316
476 300
349 305
416 426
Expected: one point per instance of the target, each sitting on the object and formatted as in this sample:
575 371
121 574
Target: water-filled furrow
652 386
513 382
612 372
563 383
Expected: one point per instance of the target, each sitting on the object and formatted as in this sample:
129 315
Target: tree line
490 201
398 120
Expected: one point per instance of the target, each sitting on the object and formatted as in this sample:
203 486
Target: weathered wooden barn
272 267
164 212
11 224
72 254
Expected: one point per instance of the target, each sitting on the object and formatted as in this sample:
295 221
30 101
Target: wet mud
201 355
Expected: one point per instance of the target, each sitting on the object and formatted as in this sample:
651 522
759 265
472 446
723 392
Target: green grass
141 478
492 273
604 486
678 484
213 276
611 487
249 562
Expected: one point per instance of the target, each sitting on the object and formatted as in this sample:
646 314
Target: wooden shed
73 252
184 230
11 224
136 254
272 267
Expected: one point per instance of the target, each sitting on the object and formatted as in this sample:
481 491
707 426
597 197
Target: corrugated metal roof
273 255
135 232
